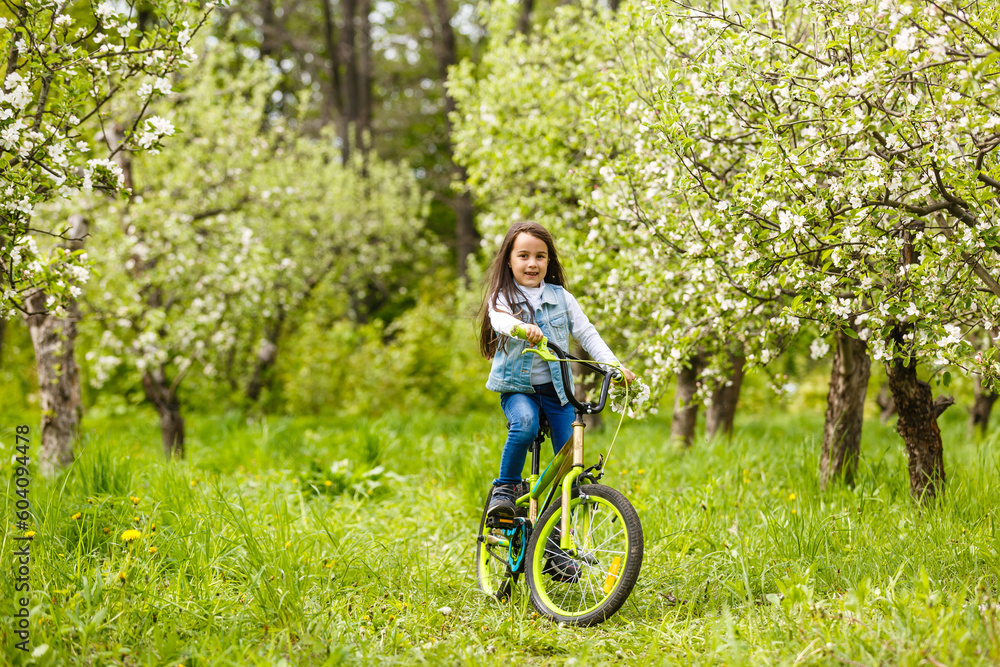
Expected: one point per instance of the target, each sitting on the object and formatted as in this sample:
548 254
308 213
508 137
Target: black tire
493 573
589 588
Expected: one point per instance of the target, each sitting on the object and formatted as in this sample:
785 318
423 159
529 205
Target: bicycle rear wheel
493 574
588 588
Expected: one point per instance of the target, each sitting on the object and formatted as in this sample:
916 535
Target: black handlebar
585 407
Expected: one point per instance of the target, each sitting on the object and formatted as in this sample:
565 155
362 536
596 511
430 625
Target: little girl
526 287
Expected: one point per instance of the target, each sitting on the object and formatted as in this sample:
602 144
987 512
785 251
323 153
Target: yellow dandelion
288 544
328 483
106 530
32 533
328 566
122 576
130 535
791 496
295 480
624 471
90 500
795 511
137 519
77 516
134 499
152 528
152 550
642 471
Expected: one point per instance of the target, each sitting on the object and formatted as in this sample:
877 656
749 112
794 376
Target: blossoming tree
229 231
869 202
64 64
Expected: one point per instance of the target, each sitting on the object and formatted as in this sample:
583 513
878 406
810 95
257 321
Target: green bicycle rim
538 558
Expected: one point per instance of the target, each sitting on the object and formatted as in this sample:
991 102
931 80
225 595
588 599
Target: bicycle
580 549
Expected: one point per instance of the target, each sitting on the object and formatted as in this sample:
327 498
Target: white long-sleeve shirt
579 327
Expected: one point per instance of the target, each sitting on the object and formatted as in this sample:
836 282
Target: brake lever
544 353
542 350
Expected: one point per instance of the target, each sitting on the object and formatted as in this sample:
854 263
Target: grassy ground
318 541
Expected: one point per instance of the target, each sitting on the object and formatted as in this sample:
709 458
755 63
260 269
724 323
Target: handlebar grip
518 331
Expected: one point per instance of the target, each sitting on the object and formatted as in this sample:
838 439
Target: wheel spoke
611 537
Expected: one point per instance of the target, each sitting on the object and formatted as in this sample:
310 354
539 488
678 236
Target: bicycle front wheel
588 587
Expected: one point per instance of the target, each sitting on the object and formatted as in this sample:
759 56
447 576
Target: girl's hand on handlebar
533 333
629 376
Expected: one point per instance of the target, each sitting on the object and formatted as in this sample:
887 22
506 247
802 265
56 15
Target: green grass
331 541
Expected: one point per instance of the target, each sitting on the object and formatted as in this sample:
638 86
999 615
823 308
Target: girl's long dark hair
500 280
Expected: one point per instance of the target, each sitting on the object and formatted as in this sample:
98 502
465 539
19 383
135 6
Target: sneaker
502 503
560 565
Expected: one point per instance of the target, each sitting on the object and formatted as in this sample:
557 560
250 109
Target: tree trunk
54 341
917 424
363 122
845 411
461 204
720 414
524 20
332 91
266 357
349 94
685 405
885 403
982 406
164 397
465 227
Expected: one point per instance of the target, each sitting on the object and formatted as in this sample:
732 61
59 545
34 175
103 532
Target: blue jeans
522 412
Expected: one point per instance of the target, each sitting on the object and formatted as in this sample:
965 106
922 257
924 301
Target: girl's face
529 260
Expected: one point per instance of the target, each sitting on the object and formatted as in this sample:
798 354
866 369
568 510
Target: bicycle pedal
505 523
500 522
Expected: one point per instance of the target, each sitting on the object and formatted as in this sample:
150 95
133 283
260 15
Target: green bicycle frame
562 471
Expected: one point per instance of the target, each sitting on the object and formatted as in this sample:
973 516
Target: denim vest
511 371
